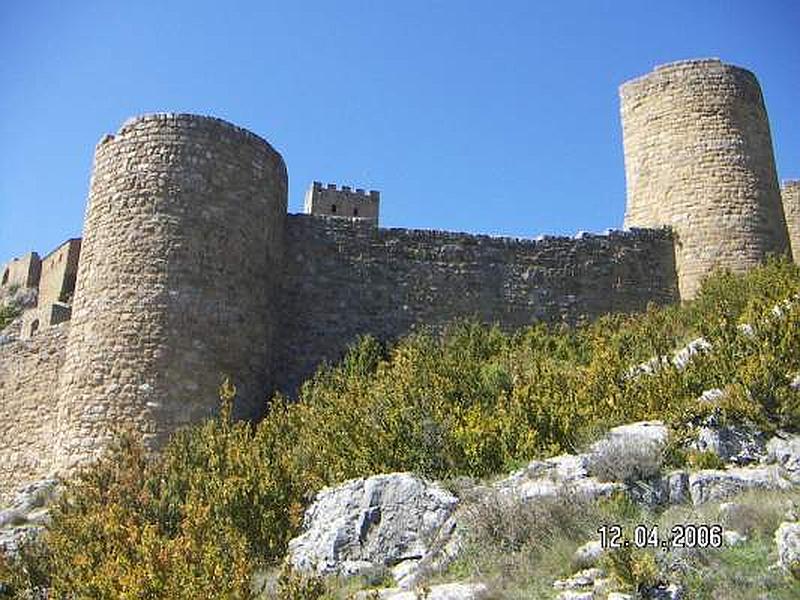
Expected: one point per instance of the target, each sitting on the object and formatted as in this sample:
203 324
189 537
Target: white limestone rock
446 591
640 431
712 484
576 595
787 538
784 449
588 555
738 445
363 523
733 538
580 581
561 475
678 483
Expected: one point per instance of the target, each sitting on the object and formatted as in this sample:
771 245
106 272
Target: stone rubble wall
28 380
344 278
699 158
790 193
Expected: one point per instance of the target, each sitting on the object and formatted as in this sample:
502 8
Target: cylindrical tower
698 158
177 282
791 208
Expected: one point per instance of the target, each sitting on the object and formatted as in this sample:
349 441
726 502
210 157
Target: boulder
680 359
640 431
740 445
733 538
446 591
633 454
795 382
12 538
580 581
784 449
576 595
588 555
713 484
365 523
678 483
27 515
685 355
787 538
561 475
665 592
35 495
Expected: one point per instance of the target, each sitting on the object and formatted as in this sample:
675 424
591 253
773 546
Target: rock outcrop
382 521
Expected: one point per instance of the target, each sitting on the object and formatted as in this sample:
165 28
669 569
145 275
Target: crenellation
344 202
189 267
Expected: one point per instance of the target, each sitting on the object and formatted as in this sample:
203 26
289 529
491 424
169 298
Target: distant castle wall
790 193
59 273
698 158
56 286
29 371
347 278
21 272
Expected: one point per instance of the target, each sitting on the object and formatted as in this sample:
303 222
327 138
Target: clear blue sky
496 116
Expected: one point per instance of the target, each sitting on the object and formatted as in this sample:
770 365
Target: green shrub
224 498
7 314
298 586
632 568
704 459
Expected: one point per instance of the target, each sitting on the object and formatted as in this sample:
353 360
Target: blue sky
497 117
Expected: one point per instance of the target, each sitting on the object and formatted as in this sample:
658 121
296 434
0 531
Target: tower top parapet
333 201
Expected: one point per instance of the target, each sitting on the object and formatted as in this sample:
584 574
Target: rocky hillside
468 463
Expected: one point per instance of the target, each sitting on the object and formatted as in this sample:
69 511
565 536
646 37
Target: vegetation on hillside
224 498
7 314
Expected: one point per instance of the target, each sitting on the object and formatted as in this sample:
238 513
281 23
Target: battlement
333 201
688 63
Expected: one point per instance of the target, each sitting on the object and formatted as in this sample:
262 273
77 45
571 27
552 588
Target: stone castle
190 267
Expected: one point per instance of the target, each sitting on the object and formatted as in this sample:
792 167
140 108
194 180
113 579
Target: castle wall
28 381
698 158
179 267
59 270
344 278
790 193
21 272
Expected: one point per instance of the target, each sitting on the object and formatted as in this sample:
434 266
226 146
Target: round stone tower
791 208
177 283
698 158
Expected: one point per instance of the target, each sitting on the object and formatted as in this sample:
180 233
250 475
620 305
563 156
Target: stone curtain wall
698 158
791 208
181 252
345 278
28 381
